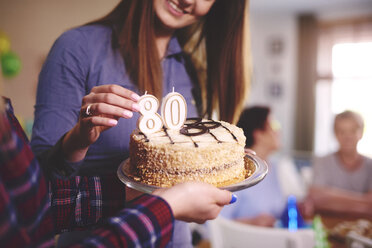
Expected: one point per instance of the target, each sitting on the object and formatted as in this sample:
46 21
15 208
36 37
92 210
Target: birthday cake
201 150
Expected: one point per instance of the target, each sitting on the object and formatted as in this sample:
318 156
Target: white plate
258 175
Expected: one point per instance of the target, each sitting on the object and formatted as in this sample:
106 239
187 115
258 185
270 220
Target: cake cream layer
215 155
223 176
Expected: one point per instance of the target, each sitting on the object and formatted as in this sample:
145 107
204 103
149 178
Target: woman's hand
195 201
100 110
306 208
106 103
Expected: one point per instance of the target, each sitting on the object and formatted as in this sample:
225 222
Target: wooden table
331 220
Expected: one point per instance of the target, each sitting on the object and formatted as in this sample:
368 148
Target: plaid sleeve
25 217
80 202
146 222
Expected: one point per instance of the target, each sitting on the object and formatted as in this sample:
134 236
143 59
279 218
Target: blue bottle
291 217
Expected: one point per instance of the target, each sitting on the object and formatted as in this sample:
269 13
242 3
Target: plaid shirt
25 214
146 222
81 201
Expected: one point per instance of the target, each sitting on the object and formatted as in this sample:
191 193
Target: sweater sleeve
61 88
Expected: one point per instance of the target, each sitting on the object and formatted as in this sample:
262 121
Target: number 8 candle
174 110
150 121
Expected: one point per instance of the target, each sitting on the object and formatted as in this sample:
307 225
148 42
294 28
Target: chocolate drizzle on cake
195 144
166 133
214 136
199 124
185 130
196 127
203 126
234 137
146 139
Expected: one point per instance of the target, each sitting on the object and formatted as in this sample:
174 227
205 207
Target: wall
274 72
32 27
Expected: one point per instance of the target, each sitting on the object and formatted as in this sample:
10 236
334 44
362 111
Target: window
346 86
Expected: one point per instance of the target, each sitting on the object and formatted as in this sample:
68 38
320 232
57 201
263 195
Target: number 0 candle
174 110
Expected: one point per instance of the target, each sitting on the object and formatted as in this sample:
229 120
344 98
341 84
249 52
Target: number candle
174 110
150 121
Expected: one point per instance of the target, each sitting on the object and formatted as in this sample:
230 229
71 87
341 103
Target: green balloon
10 64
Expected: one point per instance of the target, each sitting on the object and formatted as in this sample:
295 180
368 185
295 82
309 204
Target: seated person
342 181
263 203
147 221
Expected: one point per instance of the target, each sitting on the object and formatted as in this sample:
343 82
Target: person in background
86 104
264 203
147 221
342 181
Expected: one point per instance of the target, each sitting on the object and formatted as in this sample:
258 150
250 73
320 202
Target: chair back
225 233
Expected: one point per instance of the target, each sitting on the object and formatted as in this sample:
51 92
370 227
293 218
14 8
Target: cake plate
253 164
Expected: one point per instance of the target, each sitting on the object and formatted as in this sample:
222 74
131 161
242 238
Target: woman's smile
176 14
175 9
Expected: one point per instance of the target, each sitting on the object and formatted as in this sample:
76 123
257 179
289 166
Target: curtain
306 78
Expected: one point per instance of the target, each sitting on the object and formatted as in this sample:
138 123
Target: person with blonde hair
91 81
342 181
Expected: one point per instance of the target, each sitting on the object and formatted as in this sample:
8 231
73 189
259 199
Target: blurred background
311 60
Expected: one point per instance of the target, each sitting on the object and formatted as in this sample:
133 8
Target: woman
91 81
263 138
342 180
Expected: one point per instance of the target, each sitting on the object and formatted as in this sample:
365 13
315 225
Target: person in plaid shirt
147 221
25 216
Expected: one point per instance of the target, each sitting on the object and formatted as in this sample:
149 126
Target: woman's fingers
225 197
114 100
111 100
101 121
117 90
104 109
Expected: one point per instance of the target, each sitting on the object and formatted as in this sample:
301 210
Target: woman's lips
175 9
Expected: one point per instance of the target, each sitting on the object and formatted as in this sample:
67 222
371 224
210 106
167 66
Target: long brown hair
215 44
